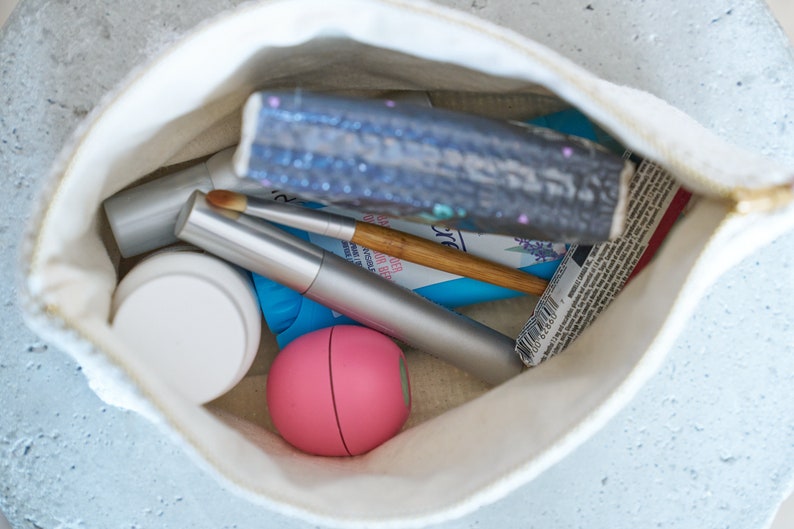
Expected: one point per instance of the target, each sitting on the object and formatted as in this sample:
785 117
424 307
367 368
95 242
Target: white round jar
193 318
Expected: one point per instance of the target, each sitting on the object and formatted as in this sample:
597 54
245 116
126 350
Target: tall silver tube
350 290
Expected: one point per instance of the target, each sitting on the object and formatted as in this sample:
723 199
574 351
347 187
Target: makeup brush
379 238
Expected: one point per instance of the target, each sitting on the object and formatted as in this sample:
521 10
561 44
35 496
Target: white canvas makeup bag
466 445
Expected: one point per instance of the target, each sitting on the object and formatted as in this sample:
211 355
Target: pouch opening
467 442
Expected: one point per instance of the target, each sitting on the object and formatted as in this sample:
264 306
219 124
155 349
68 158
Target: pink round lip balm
339 391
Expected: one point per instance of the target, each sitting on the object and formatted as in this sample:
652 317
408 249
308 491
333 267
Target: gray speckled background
709 442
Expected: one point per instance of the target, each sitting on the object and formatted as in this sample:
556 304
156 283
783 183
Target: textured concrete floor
784 9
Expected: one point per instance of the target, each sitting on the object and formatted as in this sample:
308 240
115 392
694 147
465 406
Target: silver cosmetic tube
317 221
142 217
262 248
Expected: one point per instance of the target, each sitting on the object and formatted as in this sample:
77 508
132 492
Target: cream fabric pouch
465 445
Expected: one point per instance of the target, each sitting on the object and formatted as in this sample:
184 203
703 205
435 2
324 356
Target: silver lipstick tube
262 248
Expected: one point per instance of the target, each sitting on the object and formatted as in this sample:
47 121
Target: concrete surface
709 442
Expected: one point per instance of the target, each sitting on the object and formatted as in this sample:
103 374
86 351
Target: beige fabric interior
465 445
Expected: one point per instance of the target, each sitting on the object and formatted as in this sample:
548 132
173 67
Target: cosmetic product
390 242
339 391
290 315
367 298
142 218
434 165
192 318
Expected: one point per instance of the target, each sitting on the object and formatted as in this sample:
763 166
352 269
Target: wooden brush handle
428 253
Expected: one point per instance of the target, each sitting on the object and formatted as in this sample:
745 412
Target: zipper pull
764 199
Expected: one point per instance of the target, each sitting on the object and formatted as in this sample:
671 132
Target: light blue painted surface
709 442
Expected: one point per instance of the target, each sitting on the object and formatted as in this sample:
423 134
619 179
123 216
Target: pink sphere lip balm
339 391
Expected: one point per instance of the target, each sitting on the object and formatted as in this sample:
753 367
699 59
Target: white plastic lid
193 318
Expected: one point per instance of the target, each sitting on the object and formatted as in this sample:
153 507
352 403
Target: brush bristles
228 200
